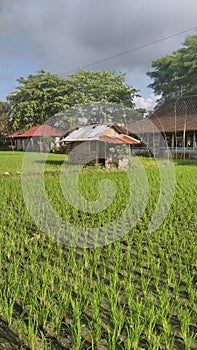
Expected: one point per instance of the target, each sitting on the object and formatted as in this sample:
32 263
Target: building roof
180 106
15 134
101 133
176 114
87 132
176 123
142 126
37 131
122 139
173 115
164 124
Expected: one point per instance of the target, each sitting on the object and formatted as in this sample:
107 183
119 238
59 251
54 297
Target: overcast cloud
63 35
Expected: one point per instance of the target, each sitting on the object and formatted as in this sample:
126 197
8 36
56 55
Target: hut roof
14 134
100 132
37 131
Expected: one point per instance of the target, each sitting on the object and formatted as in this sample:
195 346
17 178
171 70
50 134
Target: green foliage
5 127
101 86
175 75
41 96
37 98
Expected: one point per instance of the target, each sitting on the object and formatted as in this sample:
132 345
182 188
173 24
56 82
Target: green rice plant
185 319
96 258
30 330
111 341
155 342
167 336
191 289
134 325
127 293
118 320
155 271
42 311
43 343
7 305
166 306
96 323
117 255
8 295
57 315
75 326
133 334
145 282
151 320
112 291
165 312
175 284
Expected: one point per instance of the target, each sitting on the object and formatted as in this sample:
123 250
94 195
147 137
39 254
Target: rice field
137 292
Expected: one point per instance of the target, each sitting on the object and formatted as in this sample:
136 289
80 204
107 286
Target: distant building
38 138
176 121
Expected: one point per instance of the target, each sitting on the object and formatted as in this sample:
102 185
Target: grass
138 292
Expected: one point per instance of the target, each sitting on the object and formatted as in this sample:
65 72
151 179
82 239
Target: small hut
38 138
91 144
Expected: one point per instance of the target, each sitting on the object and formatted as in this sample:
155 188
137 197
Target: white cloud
147 103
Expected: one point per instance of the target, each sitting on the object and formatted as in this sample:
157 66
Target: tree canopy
101 86
37 98
41 96
5 127
176 74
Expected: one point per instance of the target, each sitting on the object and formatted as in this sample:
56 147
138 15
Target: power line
109 58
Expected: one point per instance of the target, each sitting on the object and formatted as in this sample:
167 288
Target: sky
61 36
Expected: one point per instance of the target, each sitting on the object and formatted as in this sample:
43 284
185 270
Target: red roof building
37 138
37 131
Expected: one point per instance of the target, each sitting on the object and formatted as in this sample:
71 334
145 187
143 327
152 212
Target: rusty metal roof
121 139
98 132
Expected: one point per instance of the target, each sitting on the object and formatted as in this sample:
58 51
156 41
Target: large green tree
98 97
5 127
176 74
41 96
101 86
37 98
